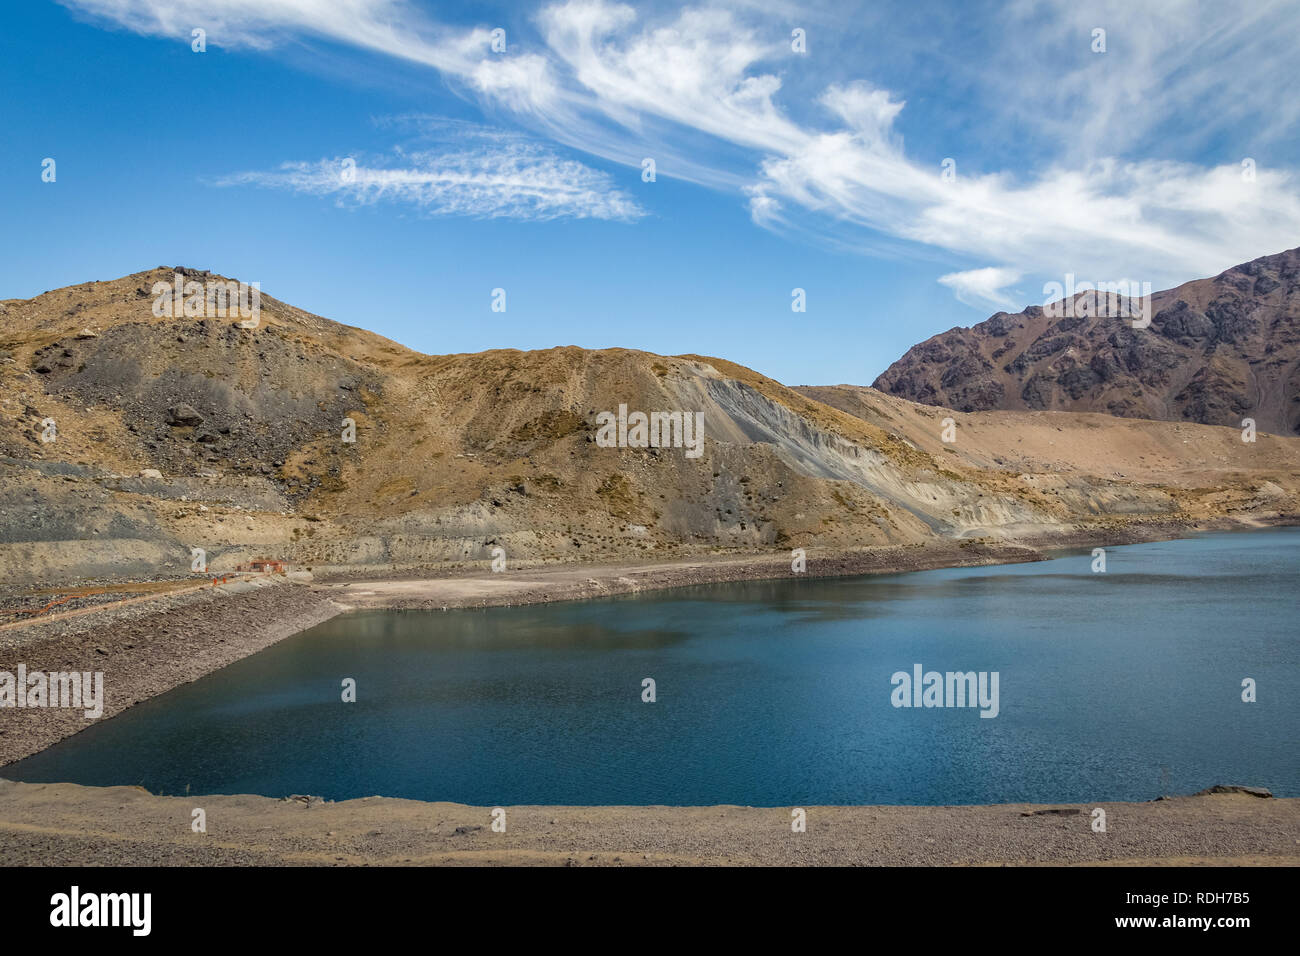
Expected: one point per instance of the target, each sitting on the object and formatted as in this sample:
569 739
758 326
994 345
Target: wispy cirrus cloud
1108 176
502 177
396 28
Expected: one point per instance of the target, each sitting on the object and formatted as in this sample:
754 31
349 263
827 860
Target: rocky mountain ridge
1217 350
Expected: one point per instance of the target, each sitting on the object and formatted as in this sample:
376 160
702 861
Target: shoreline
546 584
148 648
70 825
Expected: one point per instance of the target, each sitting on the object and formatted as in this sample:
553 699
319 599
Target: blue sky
474 169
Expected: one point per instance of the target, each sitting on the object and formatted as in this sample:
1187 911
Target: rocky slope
179 433
1217 351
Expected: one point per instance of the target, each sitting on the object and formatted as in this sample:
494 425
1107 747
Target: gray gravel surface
65 824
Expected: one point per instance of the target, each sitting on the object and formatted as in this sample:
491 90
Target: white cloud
693 71
507 179
982 287
395 28
1168 221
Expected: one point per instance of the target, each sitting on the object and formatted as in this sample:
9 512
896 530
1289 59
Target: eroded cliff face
329 446
1217 350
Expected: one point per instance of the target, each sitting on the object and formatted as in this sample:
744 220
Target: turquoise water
1116 686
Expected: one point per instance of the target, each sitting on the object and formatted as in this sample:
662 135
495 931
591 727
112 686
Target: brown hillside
194 432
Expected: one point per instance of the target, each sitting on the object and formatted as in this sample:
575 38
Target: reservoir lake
1122 685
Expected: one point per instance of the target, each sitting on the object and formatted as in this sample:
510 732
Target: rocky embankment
146 648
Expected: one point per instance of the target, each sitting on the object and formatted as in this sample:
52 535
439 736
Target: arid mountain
128 439
1217 351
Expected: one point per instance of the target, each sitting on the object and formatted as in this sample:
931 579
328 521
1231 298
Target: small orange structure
262 566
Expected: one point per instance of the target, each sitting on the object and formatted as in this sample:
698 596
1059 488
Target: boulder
183 414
